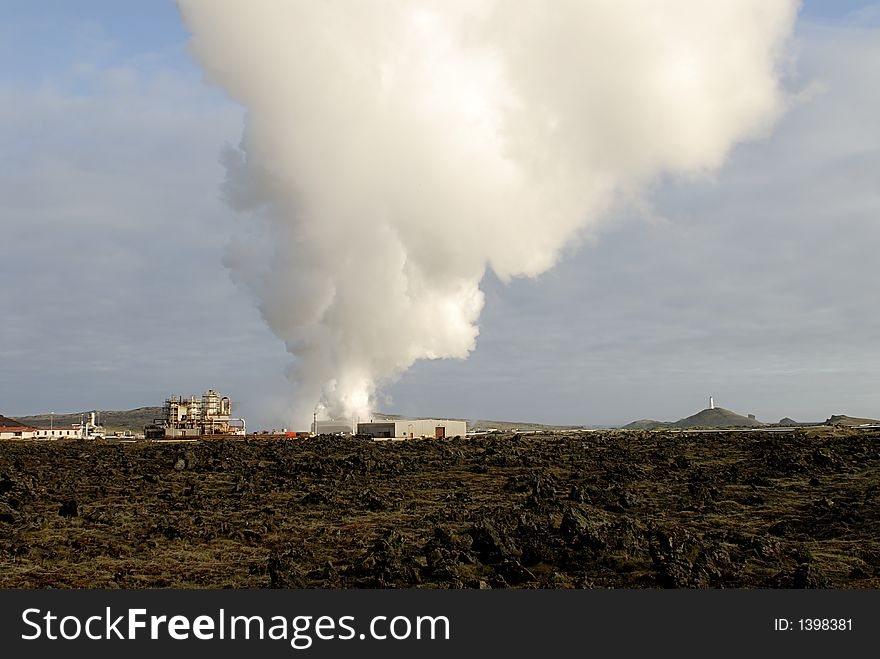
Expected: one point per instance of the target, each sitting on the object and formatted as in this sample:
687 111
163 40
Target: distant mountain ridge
112 420
648 424
6 422
844 420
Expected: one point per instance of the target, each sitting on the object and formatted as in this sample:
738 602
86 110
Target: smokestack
396 150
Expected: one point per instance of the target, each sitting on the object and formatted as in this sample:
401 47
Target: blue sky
757 287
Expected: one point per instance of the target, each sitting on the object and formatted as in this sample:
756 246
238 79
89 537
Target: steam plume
394 149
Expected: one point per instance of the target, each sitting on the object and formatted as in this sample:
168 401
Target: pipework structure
193 417
88 427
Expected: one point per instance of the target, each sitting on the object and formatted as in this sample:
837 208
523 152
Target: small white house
412 428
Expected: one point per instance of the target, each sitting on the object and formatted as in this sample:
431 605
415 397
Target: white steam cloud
394 149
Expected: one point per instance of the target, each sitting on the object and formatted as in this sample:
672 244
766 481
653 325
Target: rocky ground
614 509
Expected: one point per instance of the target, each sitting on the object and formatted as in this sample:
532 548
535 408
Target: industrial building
12 429
412 428
331 427
86 429
196 417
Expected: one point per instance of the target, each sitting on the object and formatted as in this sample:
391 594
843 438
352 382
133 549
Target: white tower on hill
711 403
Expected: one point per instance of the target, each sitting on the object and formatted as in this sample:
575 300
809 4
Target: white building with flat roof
26 432
412 428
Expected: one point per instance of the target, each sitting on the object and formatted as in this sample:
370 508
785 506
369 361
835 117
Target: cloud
758 286
395 151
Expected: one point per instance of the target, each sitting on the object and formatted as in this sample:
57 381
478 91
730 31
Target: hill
112 420
647 424
789 422
716 417
844 420
6 422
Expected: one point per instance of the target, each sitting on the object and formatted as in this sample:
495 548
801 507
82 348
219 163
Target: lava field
609 509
